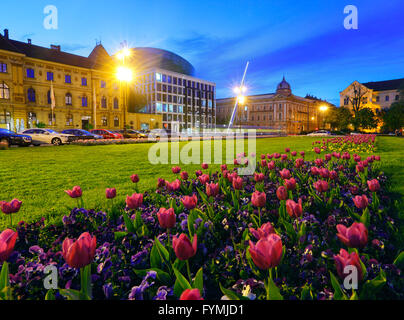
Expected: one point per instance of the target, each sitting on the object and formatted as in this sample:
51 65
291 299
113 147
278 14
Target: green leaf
138 220
354 296
85 280
181 283
306 293
399 261
50 295
71 294
155 258
274 292
4 277
162 250
365 218
231 294
338 293
119 235
128 223
198 282
372 287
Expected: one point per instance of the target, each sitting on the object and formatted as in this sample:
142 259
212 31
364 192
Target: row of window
183 82
180 118
365 99
69 119
31 95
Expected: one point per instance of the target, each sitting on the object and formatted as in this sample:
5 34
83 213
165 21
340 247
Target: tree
356 100
393 118
339 117
366 119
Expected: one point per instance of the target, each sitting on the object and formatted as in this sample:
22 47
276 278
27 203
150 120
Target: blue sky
303 40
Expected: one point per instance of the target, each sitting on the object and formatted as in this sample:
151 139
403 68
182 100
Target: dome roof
284 84
146 58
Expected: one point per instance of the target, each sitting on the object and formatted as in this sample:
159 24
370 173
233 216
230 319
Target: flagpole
53 102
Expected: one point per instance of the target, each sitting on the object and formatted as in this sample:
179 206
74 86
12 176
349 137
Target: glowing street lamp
124 74
323 108
124 53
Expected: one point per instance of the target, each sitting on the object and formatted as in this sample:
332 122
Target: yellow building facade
85 89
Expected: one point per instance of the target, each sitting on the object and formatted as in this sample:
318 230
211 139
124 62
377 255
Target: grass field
39 176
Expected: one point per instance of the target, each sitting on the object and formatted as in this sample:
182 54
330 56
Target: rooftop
385 85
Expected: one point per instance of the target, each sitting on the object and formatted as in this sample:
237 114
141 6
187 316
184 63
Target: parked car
107 134
82 134
319 133
131 134
158 133
12 138
48 136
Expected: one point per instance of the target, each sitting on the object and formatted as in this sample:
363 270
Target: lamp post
124 75
240 91
323 109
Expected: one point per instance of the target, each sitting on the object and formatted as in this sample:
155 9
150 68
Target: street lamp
124 75
240 91
323 110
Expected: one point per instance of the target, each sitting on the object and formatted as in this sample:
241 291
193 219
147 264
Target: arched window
103 102
31 95
4 91
116 103
68 99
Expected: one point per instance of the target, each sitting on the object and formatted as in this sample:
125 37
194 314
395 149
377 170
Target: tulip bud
183 247
79 253
166 218
361 202
110 193
355 236
267 253
282 193
258 199
7 242
134 201
191 294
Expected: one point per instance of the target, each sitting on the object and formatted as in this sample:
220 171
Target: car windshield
86 132
50 131
7 131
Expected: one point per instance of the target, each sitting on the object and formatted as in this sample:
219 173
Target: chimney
29 41
55 47
6 33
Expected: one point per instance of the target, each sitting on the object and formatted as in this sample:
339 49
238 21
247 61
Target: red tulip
302 153
333 175
377 158
10 207
212 189
356 236
235 162
161 183
7 242
198 173
174 186
191 294
258 177
327 157
204 179
287 150
271 165
166 218
293 153
75 192
184 175
345 259
263 232
299 162
277 155
361 202
176 170
284 157
317 150
314 171
134 201
79 253
374 185
264 163
232 176
282 193
183 247
321 186
290 184
237 183
190 202
259 199
324 173
205 166
285 174
134 178
319 162
110 193
267 253
223 167
294 209
359 168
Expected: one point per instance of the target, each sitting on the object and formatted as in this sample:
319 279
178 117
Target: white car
319 133
48 136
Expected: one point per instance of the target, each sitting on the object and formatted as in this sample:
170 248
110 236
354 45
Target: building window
116 103
103 102
49 76
4 91
104 121
116 122
3 67
103 84
397 97
50 118
30 73
84 101
48 95
5 117
387 98
84 82
69 120
158 76
68 99
31 95
68 79
377 99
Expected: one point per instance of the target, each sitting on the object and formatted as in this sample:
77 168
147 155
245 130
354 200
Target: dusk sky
303 40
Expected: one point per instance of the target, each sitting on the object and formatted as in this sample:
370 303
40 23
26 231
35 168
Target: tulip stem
189 272
269 281
11 220
259 217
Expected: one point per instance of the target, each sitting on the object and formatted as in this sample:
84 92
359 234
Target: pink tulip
258 177
345 259
198 173
294 209
359 168
183 247
321 186
134 178
110 193
10 207
319 162
7 242
282 193
267 253
134 201
356 236
166 218
287 150
284 157
191 294
299 163
161 183
361 202
314 171
258 199
263 232
205 166
285 174
237 183
176 170
190 202
333 175
184 175
302 153
212 189
80 253
374 185
75 192
290 184
271 165
204 179
327 157
317 150
293 153
235 162
223 167
174 186
324 173
264 163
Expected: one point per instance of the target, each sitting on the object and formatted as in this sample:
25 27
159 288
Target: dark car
82 134
131 134
11 138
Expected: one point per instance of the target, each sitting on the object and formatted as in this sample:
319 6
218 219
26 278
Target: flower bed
363 143
287 232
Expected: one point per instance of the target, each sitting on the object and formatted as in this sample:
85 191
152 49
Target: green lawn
39 176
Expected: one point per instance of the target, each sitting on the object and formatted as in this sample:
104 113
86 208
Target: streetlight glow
124 74
241 99
323 108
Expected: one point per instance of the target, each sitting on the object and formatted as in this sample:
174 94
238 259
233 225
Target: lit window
4 91
3 67
68 99
103 102
158 76
69 120
104 121
159 107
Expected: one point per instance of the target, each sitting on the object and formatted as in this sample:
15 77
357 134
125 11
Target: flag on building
53 101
